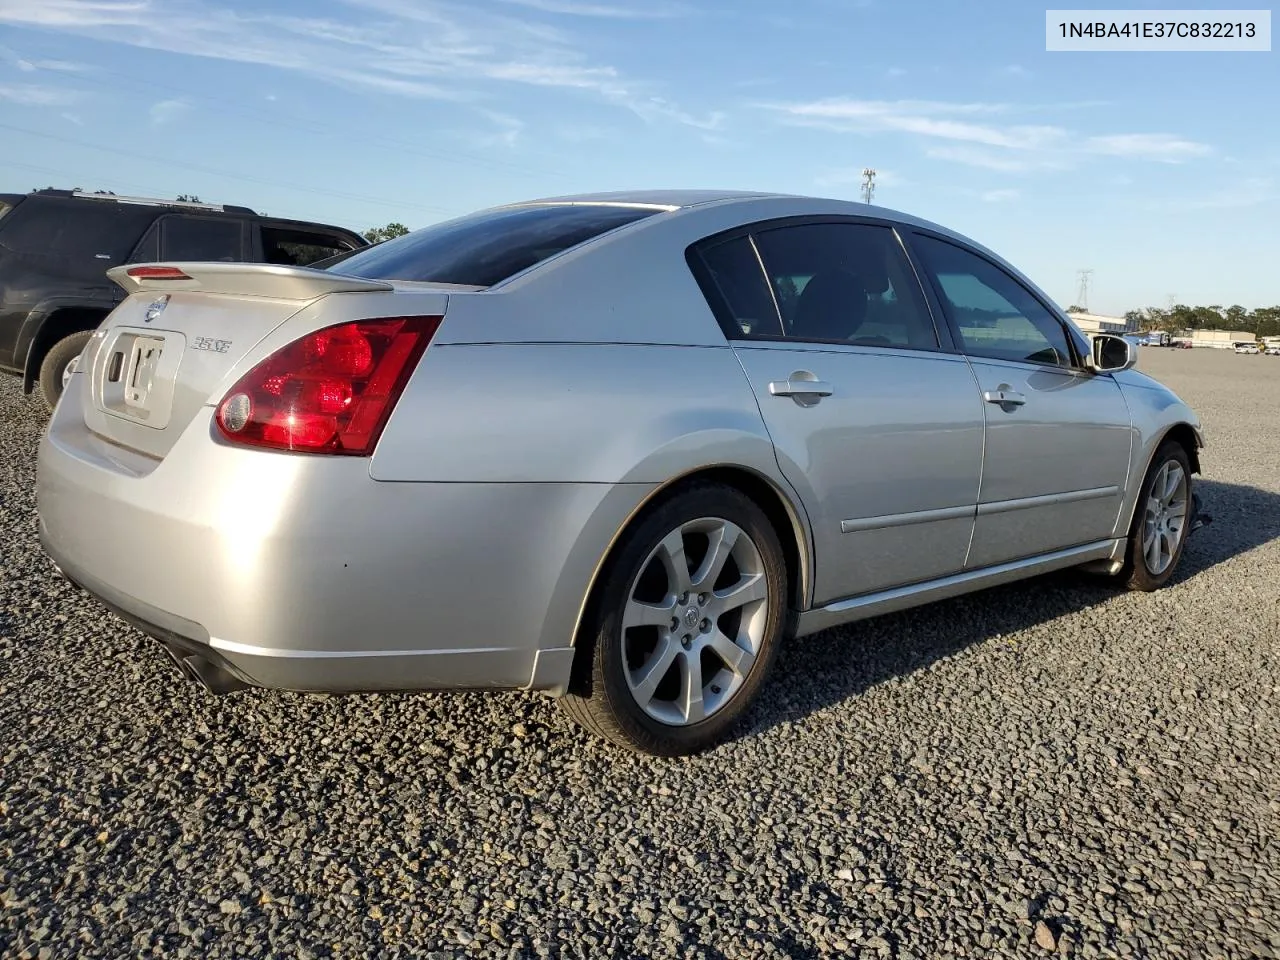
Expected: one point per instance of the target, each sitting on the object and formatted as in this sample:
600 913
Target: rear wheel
55 369
1161 520
685 626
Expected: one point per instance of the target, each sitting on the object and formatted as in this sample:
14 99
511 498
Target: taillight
157 273
329 392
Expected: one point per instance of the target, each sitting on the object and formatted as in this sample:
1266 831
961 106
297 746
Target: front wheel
56 368
685 626
1162 520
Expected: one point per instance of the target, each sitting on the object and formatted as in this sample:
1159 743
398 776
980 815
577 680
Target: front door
1058 436
877 427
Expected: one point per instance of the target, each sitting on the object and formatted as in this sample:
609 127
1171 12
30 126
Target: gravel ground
1052 766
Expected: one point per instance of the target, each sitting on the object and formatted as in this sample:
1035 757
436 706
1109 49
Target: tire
621 691
1138 572
55 364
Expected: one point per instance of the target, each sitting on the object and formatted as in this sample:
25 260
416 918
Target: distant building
1221 339
1097 323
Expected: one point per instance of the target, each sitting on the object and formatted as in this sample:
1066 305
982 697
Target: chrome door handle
1004 397
799 388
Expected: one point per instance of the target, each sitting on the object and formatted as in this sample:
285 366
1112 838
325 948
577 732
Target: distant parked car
1247 347
617 448
1272 351
57 245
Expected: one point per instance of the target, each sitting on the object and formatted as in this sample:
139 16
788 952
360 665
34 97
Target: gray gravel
1046 767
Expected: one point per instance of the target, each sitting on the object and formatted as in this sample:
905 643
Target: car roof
680 199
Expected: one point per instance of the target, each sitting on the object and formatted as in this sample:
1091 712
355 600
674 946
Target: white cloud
32 95
987 159
59 66
893 72
575 9
1147 146
1248 192
979 134
72 118
1001 196
167 111
434 49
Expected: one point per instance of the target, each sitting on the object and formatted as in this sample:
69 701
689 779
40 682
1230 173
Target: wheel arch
784 513
48 324
1188 437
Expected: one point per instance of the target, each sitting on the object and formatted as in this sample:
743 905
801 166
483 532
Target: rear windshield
485 248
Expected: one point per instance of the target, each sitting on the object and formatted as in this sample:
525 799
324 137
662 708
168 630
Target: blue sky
1159 171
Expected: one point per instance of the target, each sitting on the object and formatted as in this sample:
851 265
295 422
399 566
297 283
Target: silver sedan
614 448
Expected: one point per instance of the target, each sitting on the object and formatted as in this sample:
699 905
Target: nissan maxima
614 448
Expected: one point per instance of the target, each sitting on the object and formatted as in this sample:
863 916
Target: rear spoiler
241 279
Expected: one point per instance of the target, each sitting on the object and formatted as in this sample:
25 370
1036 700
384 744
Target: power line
208 171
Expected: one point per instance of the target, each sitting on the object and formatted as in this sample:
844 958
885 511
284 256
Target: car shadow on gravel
827 668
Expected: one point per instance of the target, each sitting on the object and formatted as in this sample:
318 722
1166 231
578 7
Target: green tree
187 198
1076 309
389 232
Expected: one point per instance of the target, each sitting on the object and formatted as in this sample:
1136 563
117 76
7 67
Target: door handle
799 388
1004 397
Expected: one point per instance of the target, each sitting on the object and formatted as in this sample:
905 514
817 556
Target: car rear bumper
303 573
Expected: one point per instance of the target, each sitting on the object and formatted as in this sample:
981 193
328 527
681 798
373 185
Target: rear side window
4 208
201 239
77 232
486 248
300 248
734 269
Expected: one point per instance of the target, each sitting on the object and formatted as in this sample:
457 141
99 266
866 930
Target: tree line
1262 322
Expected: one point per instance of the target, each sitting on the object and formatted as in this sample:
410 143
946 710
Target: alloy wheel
694 621
1166 517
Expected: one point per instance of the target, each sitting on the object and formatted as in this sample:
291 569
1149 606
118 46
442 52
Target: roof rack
150 201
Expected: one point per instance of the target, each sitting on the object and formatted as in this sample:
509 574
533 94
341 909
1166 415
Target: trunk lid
170 345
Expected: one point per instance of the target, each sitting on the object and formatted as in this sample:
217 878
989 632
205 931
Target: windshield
486 248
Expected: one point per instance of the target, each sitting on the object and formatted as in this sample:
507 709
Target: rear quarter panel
572 413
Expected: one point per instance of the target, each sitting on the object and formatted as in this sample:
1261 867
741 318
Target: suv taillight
329 392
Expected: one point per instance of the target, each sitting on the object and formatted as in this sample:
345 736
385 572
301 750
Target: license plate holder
140 371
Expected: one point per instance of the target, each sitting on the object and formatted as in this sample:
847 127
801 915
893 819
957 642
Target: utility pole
868 184
1082 297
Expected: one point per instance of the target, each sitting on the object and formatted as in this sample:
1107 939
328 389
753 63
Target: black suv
56 246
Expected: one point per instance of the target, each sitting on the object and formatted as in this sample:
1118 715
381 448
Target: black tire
599 699
55 362
1136 574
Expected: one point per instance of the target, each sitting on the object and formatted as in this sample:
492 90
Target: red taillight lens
329 392
157 273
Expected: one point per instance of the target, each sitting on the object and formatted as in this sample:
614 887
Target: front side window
845 283
995 315
486 248
202 239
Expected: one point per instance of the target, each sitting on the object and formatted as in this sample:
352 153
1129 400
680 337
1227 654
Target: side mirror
1112 354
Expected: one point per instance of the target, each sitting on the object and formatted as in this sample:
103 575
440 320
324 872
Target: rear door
1058 436
875 420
